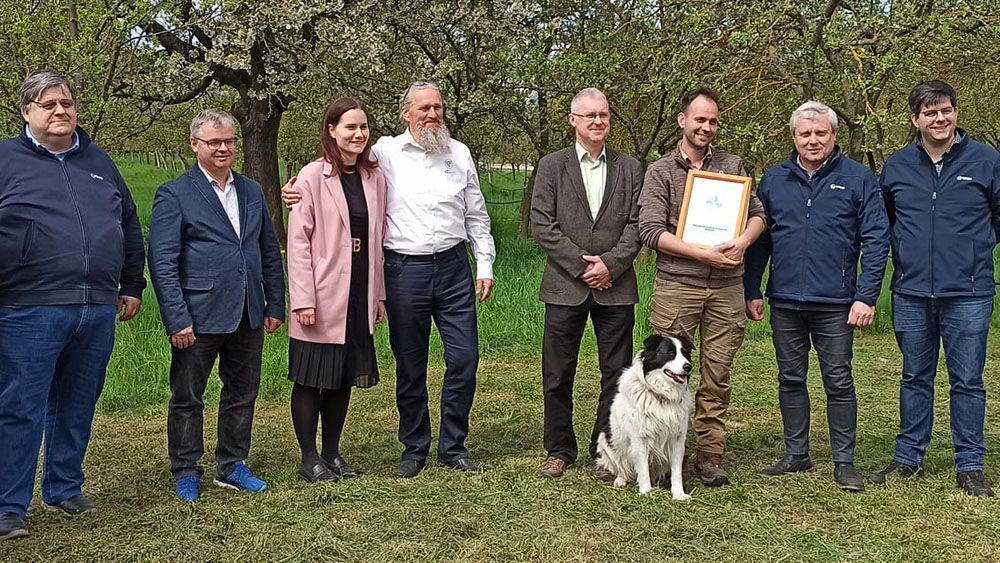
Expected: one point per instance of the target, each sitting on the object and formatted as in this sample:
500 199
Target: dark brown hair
691 95
329 150
930 92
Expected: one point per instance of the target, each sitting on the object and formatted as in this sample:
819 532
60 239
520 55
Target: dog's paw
680 495
620 482
645 490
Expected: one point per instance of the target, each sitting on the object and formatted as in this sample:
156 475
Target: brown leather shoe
710 469
553 468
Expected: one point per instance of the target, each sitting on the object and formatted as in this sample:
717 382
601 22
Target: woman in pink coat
336 285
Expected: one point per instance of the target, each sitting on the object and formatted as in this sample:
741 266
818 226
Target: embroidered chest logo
837 187
96 177
449 166
964 178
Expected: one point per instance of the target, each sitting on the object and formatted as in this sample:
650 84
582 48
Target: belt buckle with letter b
357 244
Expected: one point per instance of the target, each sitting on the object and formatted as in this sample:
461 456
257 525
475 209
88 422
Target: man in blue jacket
71 255
216 267
942 194
824 210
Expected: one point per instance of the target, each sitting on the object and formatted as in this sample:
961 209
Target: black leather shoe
12 526
894 468
315 471
788 464
974 483
408 468
73 506
462 464
847 478
339 466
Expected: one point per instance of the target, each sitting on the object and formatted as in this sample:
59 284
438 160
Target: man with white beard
434 206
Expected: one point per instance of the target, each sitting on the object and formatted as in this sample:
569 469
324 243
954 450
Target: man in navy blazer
216 267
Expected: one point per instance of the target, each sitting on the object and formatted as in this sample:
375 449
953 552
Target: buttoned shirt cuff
484 270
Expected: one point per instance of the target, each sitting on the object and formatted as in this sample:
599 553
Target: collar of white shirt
229 181
582 152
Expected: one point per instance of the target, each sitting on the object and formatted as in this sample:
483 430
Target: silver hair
216 116
404 100
811 110
40 80
586 93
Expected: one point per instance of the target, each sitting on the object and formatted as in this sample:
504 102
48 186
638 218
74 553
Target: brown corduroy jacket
659 210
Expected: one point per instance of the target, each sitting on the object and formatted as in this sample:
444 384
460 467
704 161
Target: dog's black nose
687 366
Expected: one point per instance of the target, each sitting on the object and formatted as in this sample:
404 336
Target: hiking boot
709 467
974 483
553 468
894 468
788 464
847 478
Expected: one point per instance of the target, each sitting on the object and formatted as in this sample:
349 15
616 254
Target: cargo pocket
663 310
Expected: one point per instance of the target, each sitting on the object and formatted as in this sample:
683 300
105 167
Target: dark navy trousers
419 289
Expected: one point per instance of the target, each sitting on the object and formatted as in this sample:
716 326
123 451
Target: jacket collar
792 164
80 137
961 139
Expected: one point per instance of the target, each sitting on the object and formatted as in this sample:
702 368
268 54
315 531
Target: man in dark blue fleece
942 194
824 210
71 255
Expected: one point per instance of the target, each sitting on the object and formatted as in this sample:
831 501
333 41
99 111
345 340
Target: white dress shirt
433 201
595 175
227 196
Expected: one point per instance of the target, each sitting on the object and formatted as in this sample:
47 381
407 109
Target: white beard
434 141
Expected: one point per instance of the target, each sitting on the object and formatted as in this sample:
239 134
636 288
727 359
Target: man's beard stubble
434 141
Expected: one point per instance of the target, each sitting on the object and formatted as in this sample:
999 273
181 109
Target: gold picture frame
714 210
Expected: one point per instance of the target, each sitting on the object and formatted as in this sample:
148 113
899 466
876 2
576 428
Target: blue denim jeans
53 360
418 289
962 324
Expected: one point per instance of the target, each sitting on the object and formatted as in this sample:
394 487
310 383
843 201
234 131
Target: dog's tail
603 451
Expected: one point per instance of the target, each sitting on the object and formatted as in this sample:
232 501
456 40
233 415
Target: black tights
308 404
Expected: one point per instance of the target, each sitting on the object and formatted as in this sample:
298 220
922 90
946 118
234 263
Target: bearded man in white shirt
434 206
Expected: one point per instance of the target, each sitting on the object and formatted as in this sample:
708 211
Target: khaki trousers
720 317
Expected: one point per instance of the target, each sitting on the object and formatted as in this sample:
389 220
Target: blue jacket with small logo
943 226
816 230
69 231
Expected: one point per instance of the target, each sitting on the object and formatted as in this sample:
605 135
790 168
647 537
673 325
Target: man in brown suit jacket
585 216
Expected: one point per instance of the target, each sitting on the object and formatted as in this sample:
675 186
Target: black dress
336 366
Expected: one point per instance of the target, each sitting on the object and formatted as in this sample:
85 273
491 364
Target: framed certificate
714 209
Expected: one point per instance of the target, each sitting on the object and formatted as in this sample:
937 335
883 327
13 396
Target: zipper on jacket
83 234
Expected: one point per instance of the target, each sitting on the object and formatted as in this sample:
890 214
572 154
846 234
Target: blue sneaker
241 478
187 488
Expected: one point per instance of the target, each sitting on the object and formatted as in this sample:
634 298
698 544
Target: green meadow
507 513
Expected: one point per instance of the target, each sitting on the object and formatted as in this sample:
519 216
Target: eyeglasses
589 117
51 104
216 144
933 113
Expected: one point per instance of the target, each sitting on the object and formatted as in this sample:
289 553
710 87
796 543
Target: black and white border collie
649 417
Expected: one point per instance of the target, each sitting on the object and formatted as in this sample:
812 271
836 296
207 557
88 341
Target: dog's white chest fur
648 426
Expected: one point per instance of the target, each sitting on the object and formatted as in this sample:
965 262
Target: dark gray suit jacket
564 228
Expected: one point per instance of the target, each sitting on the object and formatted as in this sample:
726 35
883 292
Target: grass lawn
507 513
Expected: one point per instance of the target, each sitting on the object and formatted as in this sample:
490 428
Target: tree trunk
260 120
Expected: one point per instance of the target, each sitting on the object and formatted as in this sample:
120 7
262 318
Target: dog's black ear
652 341
687 345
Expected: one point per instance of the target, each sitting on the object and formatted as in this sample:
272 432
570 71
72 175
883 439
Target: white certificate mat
714 209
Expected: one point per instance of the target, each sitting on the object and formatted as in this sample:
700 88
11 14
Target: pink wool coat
320 248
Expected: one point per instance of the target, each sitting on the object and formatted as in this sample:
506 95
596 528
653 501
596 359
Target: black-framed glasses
593 116
50 105
216 144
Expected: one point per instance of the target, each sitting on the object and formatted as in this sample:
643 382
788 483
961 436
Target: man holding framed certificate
699 236
823 211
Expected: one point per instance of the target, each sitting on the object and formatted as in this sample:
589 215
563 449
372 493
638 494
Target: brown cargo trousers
721 315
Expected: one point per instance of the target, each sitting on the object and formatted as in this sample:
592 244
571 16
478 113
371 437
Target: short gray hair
211 115
40 80
811 110
586 93
405 100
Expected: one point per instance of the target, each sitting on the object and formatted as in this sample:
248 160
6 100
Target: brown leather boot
709 468
553 468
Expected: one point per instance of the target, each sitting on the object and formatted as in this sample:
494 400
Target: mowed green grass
508 514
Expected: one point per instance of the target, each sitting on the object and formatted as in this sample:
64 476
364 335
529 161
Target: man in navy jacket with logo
71 255
824 210
942 194
215 264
